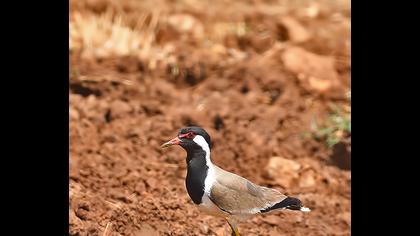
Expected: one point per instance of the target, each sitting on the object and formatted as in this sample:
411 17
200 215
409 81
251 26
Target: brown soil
253 93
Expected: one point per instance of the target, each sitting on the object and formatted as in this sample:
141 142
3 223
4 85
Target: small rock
140 186
283 171
84 205
311 11
73 220
296 32
314 71
220 231
346 217
204 229
307 179
341 156
92 230
84 172
151 183
119 108
82 213
73 114
219 49
319 84
91 101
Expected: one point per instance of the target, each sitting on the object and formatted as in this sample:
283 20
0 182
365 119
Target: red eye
187 135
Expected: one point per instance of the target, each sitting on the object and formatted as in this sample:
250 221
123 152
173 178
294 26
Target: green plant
336 128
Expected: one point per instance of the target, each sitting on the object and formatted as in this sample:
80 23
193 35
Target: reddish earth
256 95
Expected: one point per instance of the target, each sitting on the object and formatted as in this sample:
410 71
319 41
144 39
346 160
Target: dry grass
130 28
107 35
105 233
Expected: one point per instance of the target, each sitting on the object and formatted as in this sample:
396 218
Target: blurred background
269 80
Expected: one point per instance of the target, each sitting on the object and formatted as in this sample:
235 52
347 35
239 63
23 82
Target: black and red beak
174 141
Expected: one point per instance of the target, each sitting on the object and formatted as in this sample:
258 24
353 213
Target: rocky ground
261 77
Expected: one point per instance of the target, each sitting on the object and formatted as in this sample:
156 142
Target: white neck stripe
200 141
210 178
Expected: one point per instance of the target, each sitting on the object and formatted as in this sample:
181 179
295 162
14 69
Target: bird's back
239 196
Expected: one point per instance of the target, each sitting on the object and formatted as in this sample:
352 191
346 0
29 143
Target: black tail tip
293 204
290 203
296 205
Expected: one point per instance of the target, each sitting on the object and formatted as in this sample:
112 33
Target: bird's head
190 138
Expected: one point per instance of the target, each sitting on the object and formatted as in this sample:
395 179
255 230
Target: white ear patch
198 139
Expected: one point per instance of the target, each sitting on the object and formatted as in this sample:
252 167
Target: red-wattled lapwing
221 193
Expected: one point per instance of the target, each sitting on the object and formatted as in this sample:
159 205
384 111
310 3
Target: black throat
196 173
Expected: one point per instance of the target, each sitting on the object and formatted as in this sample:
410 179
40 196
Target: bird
220 193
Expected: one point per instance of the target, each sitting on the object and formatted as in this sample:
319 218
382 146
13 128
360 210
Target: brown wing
237 195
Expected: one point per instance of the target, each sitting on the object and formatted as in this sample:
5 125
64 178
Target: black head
191 131
186 138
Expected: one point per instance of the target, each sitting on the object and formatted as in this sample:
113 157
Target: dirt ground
254 74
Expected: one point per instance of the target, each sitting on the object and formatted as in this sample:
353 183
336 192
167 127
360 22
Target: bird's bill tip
174 141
